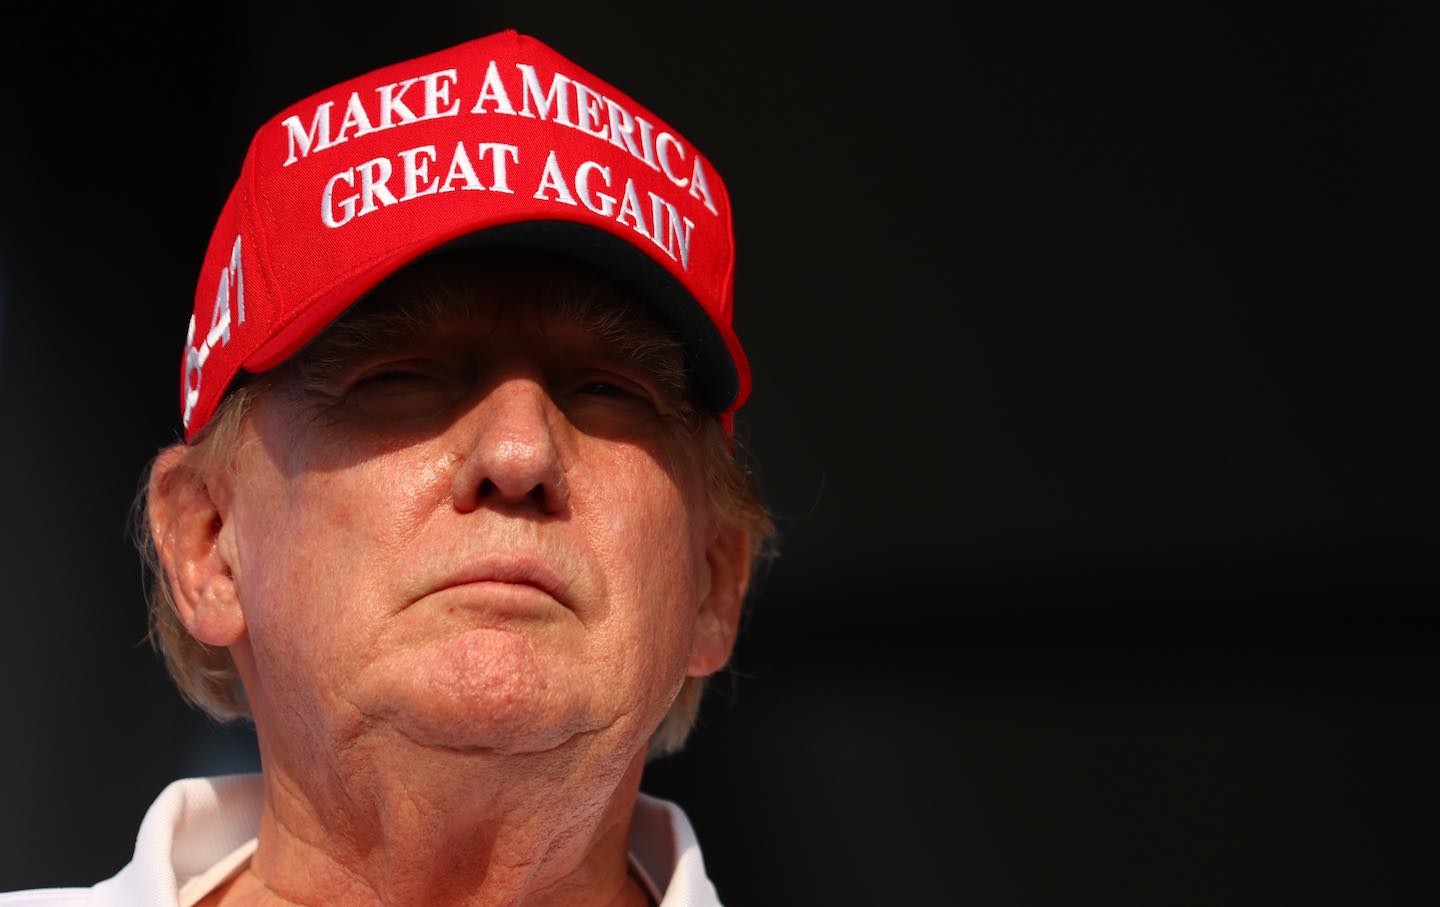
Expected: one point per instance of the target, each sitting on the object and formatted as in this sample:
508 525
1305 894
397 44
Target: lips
511 569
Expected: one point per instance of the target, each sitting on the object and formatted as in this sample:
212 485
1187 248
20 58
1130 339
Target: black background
1094 393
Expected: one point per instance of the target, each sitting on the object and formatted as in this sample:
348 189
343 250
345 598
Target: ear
186 525
718 621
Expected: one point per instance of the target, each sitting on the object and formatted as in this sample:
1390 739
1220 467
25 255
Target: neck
414 826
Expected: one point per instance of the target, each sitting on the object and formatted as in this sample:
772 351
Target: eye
606 401
604 389
403 392
391 381
612 386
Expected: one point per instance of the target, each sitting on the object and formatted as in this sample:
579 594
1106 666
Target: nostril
537 494
487 488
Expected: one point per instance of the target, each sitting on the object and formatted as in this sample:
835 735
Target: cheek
321 548
647 528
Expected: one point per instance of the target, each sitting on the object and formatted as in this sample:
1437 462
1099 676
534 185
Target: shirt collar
197 822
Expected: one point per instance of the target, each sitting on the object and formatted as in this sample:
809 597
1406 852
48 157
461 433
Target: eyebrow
388 320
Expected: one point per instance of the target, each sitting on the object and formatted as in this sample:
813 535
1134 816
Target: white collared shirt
201 831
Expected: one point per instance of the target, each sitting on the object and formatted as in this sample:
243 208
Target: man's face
483 526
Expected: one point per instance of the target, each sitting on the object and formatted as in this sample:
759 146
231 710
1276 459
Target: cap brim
714 355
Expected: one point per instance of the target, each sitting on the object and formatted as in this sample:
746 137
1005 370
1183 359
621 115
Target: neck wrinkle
553 834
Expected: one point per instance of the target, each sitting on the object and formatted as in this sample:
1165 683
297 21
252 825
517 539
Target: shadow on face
423 349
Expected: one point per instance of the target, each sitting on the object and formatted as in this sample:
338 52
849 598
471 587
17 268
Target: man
457 521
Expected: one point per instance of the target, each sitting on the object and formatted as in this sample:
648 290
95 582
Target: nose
513 459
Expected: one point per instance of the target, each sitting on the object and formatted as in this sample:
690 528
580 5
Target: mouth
517 571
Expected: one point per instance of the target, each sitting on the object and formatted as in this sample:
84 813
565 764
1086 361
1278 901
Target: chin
487 691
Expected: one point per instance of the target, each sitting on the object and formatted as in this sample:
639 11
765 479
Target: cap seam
263 253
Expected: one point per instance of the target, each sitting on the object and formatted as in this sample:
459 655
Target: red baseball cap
498 141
